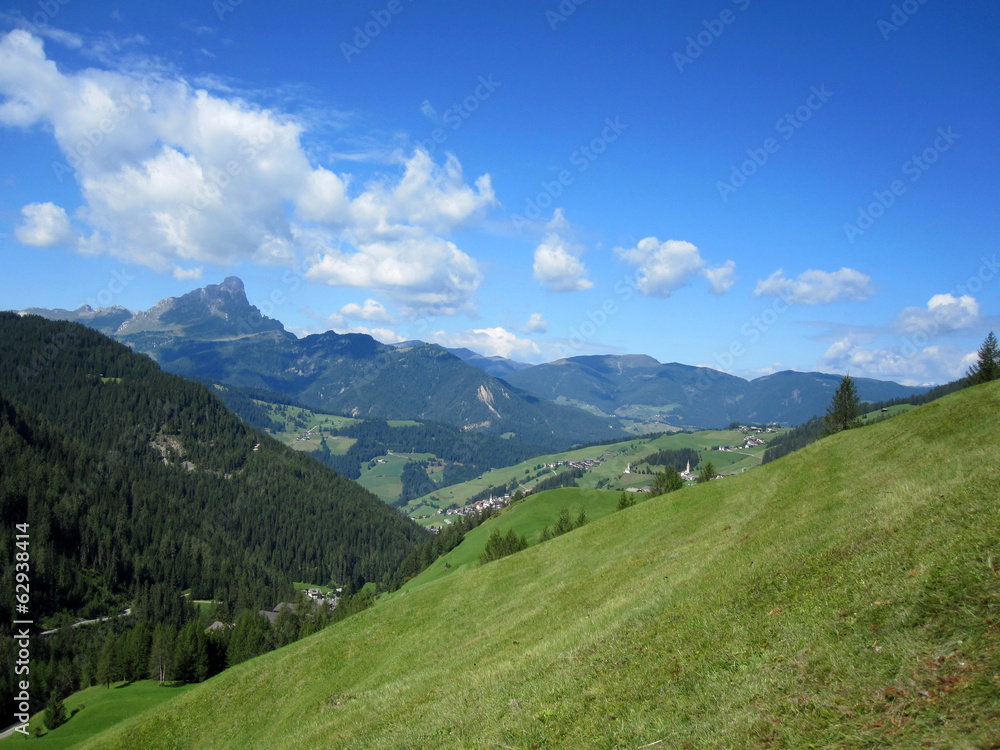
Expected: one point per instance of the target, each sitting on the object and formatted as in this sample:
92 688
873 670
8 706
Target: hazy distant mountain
688 396
795 397
499 367
107 320
216 334
215 312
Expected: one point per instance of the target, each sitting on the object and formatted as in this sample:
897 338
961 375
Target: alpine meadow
390 375
847 595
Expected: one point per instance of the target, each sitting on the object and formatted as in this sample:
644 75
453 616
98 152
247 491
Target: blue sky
746 185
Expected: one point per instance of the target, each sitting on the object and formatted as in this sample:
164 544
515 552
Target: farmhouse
272 616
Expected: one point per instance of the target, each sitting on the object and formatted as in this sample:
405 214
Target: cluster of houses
315 595
586 464
272 615
752 438
499 502
489 503
750 442
750 430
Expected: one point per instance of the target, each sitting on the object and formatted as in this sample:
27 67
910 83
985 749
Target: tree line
845 409
192 649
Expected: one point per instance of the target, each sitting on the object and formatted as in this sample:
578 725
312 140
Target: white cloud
338 323
425 274
385 335
814 287
557 260
65 38
173 177
558 266
908 364
428 109
663 267
536 324
45 225
372 310
759 372
944 312
721 278
191 274
490 342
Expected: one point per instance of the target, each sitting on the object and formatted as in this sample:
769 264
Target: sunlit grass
97 709
844 596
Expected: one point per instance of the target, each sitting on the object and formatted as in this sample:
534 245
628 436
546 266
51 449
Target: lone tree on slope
844 409
987 367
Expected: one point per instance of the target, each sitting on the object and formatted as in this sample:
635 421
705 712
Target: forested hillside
131 478
134 474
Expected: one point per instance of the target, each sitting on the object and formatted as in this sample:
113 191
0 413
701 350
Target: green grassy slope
527 518
844 596
97 708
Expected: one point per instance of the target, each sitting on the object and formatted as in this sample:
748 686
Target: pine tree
136 656
845 408
55 714
666 481
249 637
707 473
624 501
564 523
161 654
107 663
987 367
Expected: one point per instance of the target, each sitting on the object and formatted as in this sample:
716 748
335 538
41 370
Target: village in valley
618 467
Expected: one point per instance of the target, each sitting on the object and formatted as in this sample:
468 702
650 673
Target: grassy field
844 596
303 427
384 478
891 411
326 590
101 708
609 475
527 518
640 419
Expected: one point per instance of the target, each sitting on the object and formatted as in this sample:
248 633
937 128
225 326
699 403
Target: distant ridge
214 333
500 367
687 396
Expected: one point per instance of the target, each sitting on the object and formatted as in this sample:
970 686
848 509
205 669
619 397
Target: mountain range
214 333
640 387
